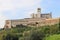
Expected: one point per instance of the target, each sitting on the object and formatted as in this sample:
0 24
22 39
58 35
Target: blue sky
18 9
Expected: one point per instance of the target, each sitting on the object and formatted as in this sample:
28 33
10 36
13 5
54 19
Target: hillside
30 33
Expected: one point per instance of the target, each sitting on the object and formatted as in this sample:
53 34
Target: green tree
37 35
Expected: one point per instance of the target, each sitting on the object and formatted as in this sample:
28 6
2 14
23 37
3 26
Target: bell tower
38 12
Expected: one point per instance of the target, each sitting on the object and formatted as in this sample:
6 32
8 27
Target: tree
10 37
37 35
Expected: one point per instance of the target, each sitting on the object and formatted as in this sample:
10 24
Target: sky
18 9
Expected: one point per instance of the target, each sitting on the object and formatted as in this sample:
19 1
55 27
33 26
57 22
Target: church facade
38 19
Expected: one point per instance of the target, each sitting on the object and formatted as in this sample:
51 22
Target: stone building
41 15
38 19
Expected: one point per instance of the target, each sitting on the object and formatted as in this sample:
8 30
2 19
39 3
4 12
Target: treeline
29 33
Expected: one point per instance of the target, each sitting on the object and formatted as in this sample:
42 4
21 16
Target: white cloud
13 4
2 20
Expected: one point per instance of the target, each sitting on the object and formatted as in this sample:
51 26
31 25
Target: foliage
10 37
53 37
21 32
37 35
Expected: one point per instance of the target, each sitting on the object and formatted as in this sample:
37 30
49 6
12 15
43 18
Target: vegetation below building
30 33
53 37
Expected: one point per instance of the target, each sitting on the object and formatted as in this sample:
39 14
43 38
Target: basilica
36 19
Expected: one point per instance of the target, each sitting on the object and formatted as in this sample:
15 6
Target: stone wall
31 22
